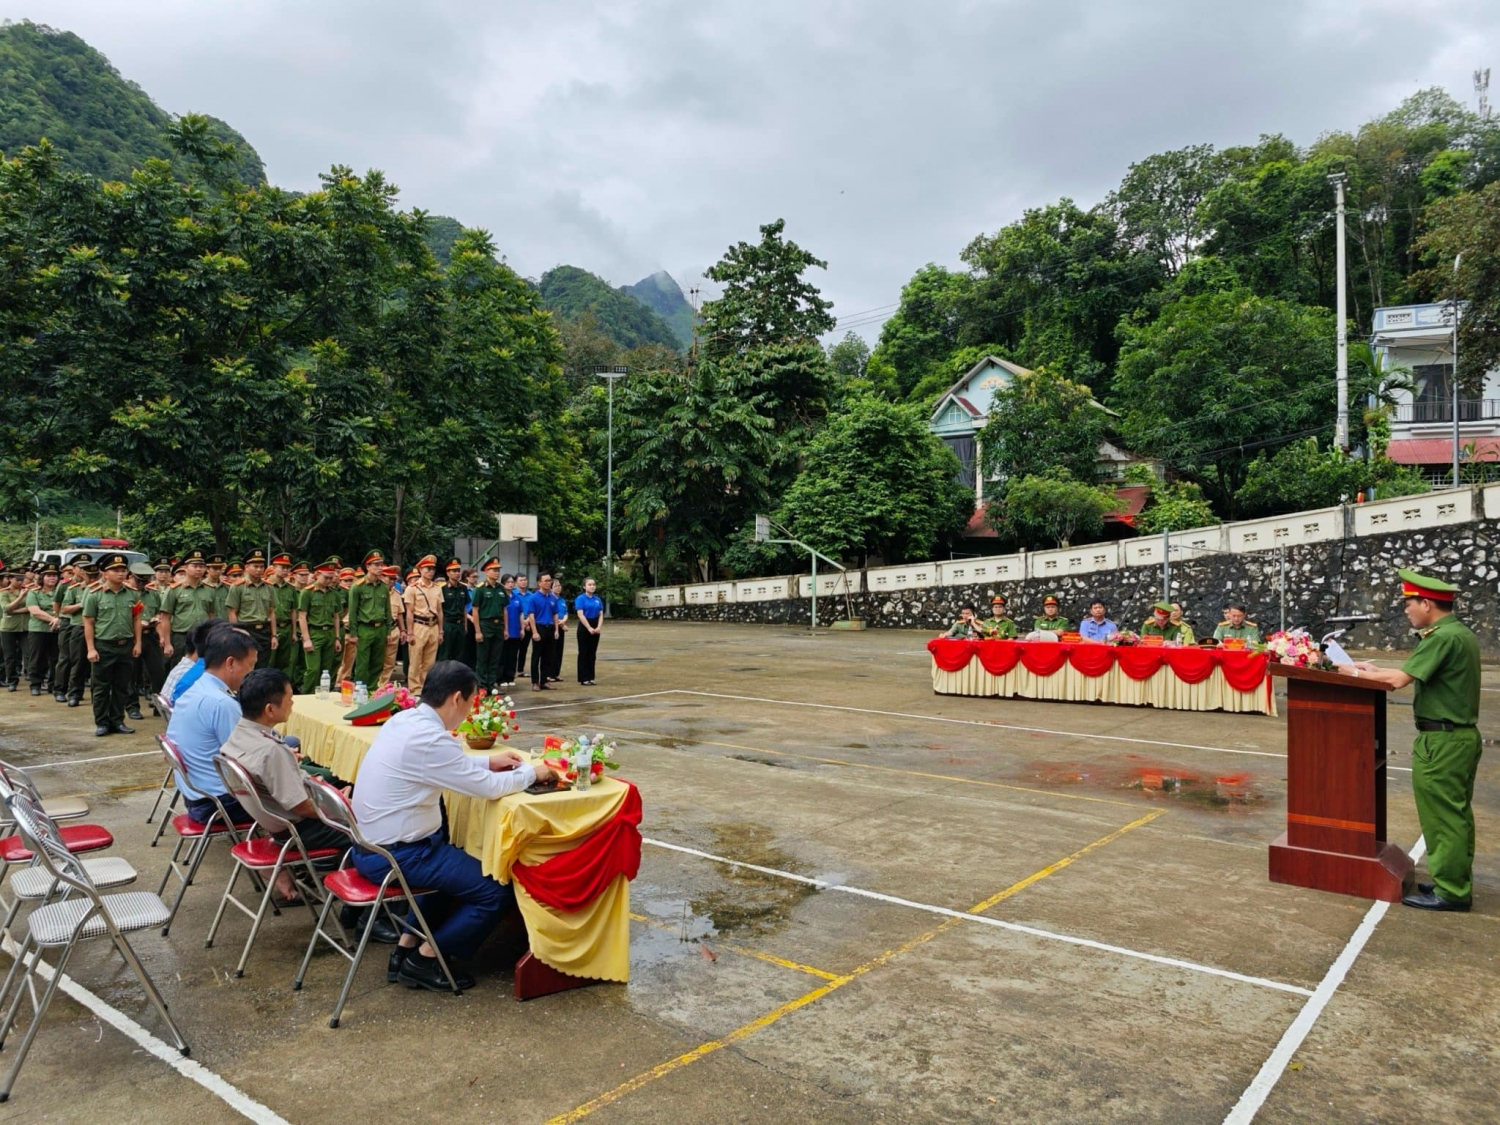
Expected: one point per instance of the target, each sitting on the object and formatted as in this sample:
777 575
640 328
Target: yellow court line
769 958
873 766
661 1070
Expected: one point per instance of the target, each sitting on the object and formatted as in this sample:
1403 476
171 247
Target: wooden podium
1335 789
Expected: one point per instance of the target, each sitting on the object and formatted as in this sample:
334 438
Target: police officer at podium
1444 672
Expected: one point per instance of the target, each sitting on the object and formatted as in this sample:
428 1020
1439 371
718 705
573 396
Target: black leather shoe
353 920
101 730
1426 888
1431 900
134 714
424 972
59 696
121 728
35 690
398 958
73 702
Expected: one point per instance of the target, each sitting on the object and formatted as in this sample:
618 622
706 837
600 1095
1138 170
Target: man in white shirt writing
412 760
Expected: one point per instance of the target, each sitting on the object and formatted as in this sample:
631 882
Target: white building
1418 339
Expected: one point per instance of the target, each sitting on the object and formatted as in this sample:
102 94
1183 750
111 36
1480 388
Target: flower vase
480 741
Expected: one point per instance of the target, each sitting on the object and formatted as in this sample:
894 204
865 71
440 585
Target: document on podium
1335 653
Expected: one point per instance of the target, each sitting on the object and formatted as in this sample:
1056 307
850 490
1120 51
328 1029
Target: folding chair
348 886
193 839
85 915
163 705
263 856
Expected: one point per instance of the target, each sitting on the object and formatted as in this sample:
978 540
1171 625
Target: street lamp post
1453 306
609 374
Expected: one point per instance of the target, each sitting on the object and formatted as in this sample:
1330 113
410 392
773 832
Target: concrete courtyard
858 902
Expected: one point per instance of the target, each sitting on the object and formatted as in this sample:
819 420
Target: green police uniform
254 603
1153 627
489 607
153 665
72 653
114 616
188 606
1000 628
963 631
288 654
1058 624
455 603
41 638
12 640
1249 632
370 620
1445 757
323 609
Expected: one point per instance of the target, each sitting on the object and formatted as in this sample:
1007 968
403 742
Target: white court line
190 1069
1271 1070
979 723
90 761
590 702
984 920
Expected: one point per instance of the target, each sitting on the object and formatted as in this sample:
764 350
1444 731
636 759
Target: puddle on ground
761 761
1226 792
751 903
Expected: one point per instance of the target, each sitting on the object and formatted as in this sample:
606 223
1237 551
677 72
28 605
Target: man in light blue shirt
205 717
1097 626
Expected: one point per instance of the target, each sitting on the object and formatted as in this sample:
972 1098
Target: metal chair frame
335 811
164 705
12 779
188 852
68 871
293 857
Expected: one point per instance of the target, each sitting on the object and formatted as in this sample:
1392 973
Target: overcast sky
628 137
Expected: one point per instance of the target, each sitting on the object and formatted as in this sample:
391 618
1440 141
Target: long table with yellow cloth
1181 679
592 942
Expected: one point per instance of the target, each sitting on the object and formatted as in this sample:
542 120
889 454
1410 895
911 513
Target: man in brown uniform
423 602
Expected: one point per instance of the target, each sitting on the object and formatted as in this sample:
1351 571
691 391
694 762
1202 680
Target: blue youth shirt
540 607
513 611
589 605
559 607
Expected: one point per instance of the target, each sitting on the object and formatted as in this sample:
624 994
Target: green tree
766 299
1468 225
876 481
1051 508
574 293
1304 475
848 357
1219 376
1158 205
1178 506
920 333
1038 422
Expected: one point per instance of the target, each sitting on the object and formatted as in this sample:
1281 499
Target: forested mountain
574 294
662 294
441 233
54 85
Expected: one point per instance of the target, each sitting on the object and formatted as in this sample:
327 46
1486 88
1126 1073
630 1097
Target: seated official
1236 626
206 715
998 625
1097 626
1184 630
274 767
1159 624
1051 621
412 760
190 667
966 628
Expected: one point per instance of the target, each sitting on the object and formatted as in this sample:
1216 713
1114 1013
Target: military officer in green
67 680
252 606
1444 670
490 600
998 626
320 609
185 606
41 630
13 619
288 654
370 621
1234 626
1051 621
455 610
112 630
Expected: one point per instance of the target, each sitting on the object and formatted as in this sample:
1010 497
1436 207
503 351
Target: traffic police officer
1445 757
423 605
369 621
252 605
112 630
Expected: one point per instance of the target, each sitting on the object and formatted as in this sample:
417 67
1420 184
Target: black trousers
153 663
541 654
12 648
71 671
452 647
41 655
113 683
523 644
554 672
588 651
510 660
489 664
262 635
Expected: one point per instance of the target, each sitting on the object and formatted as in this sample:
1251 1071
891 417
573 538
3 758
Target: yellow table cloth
524 828
1162 689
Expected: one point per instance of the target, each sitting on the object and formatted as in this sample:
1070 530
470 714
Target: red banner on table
1243 671
998 657
1092 659
572 880
1139 662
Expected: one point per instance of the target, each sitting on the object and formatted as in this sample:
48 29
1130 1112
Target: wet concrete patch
751 903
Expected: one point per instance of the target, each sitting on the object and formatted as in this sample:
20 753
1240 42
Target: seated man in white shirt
412 760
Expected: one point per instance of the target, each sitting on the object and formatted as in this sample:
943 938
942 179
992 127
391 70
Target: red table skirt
1242 670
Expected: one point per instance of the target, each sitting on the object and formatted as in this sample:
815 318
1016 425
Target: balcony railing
1469 410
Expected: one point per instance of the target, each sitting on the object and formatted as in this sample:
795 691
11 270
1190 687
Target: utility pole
1341 428
1453 312
609 374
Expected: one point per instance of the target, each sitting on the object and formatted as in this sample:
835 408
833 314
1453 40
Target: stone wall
1343 578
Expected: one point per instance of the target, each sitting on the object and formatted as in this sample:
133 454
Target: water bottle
325 685
583 760
361 693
